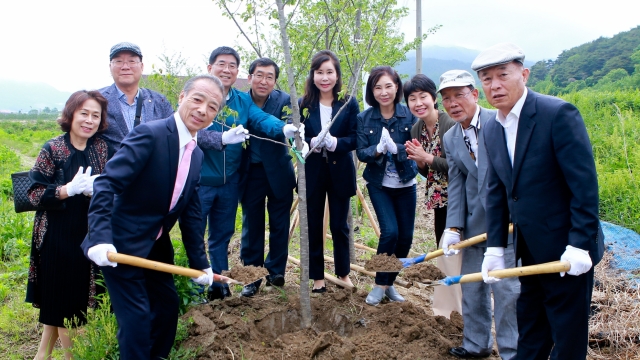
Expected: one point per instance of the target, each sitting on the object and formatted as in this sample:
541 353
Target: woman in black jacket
329 170
390 174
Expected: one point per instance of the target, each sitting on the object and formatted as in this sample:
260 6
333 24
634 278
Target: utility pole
419 36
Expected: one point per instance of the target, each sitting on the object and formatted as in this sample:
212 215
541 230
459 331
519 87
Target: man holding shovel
541 174
149 183
467 158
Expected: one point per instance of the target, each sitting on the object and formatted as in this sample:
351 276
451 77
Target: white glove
235 135
449 238
493 260
78 184
206 278
579 260
391 146
98 254
289 131
88 191
382 145
305 148
330 142
314 142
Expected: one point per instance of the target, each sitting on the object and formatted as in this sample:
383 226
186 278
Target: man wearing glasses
130 105
269 175
222 185
468 164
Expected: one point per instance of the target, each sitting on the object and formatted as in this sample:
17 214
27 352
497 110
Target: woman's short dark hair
76 100
420 82
311 92
375 75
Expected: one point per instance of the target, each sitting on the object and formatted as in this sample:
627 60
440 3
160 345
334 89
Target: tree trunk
305 301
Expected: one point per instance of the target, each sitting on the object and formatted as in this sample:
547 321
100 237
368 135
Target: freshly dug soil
423 271
383 262
343 327
246 274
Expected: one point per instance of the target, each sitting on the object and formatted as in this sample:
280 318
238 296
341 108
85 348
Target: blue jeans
219 206
396 212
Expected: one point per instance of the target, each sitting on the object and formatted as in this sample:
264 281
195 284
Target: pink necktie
183 171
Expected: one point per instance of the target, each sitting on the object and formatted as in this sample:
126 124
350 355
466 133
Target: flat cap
455 78
124 46
497 55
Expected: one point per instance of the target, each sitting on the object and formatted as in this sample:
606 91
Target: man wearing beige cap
468 163
542 174
130 105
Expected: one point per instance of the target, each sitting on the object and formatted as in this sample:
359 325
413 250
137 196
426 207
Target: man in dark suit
468 163
149 183
541 173
126 97
269 175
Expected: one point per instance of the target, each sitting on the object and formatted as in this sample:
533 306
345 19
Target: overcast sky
66 43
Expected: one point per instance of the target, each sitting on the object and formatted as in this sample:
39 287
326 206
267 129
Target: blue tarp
625 245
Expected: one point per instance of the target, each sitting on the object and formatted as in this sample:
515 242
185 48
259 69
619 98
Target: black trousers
553 313
338 211
253 223
146 306
439 222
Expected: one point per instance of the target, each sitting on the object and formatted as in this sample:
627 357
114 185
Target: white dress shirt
472 134
510 124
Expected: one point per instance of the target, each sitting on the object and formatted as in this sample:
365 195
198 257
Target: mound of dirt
246 274
423 271
382 262
343 327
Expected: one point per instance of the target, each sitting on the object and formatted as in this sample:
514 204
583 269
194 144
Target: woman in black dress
61 279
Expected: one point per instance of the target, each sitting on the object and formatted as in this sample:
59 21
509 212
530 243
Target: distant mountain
437 59
24 96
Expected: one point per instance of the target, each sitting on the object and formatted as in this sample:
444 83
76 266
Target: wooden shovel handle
462 244
153 265
546 268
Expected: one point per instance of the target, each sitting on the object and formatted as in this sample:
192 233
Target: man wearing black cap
541 173
130 105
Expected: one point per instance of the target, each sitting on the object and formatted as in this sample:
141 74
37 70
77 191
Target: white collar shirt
472 133
184 136
510 124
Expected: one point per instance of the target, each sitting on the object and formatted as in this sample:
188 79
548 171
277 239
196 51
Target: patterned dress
436 196
62 281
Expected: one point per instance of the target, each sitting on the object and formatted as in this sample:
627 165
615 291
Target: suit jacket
154 107
341 168
467 182
275 158
131 198
551 192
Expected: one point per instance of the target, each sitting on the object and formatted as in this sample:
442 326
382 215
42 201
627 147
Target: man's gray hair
213 79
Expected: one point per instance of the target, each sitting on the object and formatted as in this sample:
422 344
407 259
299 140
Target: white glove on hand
235 135
314 142
98 254
289 131
88 191
205 279
330 142
493 260
382 145
391 146
305 148
449 238
78 184
579 260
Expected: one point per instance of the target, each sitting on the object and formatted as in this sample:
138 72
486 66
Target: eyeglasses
456 97
222 65
261 76
120 63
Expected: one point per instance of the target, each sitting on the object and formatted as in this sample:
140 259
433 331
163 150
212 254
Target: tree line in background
604 64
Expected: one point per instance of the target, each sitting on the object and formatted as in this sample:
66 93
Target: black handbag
21 184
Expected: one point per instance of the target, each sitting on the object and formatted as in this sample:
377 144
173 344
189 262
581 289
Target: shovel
168 268
546 268
406 262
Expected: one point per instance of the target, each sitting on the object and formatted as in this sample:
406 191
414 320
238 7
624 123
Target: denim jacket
370 124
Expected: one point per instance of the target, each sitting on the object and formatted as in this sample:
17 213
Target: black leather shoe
462 353
251 289
319 291
275 280
218 293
